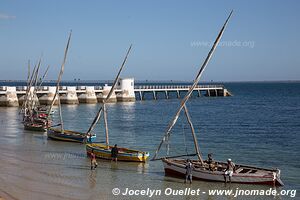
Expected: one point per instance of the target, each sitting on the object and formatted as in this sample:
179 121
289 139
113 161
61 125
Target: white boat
202 170
243 173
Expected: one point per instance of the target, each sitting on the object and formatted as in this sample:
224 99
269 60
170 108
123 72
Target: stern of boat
278 181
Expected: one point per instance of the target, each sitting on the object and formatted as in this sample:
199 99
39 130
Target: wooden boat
69 136
36 124
103 151
244 174
32 118
61 134
173 165
31 126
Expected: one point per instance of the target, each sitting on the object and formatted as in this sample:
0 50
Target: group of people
114 156
230 169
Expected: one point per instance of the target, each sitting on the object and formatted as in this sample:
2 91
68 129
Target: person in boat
89 137
229 170
210 162
114 153
94 163
189 170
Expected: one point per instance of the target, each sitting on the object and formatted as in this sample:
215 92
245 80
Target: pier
125 91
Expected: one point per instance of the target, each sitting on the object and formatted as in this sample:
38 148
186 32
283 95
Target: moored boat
243 173
104 152
70 136
62 134
203 170
35 126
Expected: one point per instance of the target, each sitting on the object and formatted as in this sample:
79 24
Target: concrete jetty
125 91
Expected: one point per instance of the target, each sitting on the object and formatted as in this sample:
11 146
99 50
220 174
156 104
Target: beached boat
173 165
62 134
69 136
243 173
104 150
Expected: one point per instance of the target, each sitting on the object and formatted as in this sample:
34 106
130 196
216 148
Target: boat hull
68 136
35 127
262 176
101 151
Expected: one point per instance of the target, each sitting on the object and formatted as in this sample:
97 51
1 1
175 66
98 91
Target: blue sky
170 39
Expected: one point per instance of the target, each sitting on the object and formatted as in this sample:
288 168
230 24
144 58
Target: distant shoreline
153 81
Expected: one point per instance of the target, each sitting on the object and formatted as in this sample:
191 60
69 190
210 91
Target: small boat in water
69 136
32 118
103 151
173 165
35 123
32 126
62 134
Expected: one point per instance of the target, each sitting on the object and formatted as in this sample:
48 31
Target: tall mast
28 74
60 73
97 118
44 75
187 96
32 102
106 125
29 84
193 134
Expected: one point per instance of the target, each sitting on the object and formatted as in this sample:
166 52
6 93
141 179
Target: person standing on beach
94 163
114 153
229 170
189 169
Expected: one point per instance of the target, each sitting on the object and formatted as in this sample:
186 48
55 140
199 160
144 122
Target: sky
170 39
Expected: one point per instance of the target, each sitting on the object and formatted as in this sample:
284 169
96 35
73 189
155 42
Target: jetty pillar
102 96
127 90
226 93
208 93
154 95
47 98
178 94
141 95
89 96
167 96
199 93
70 97
10 98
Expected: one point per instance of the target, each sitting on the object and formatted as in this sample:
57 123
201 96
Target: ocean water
258 125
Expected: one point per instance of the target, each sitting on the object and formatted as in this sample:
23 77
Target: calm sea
259 125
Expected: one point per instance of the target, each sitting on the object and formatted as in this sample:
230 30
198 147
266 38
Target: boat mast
193 133
44 75
33 95
103 107
60 74
28 73
26 99
105 123
187 96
